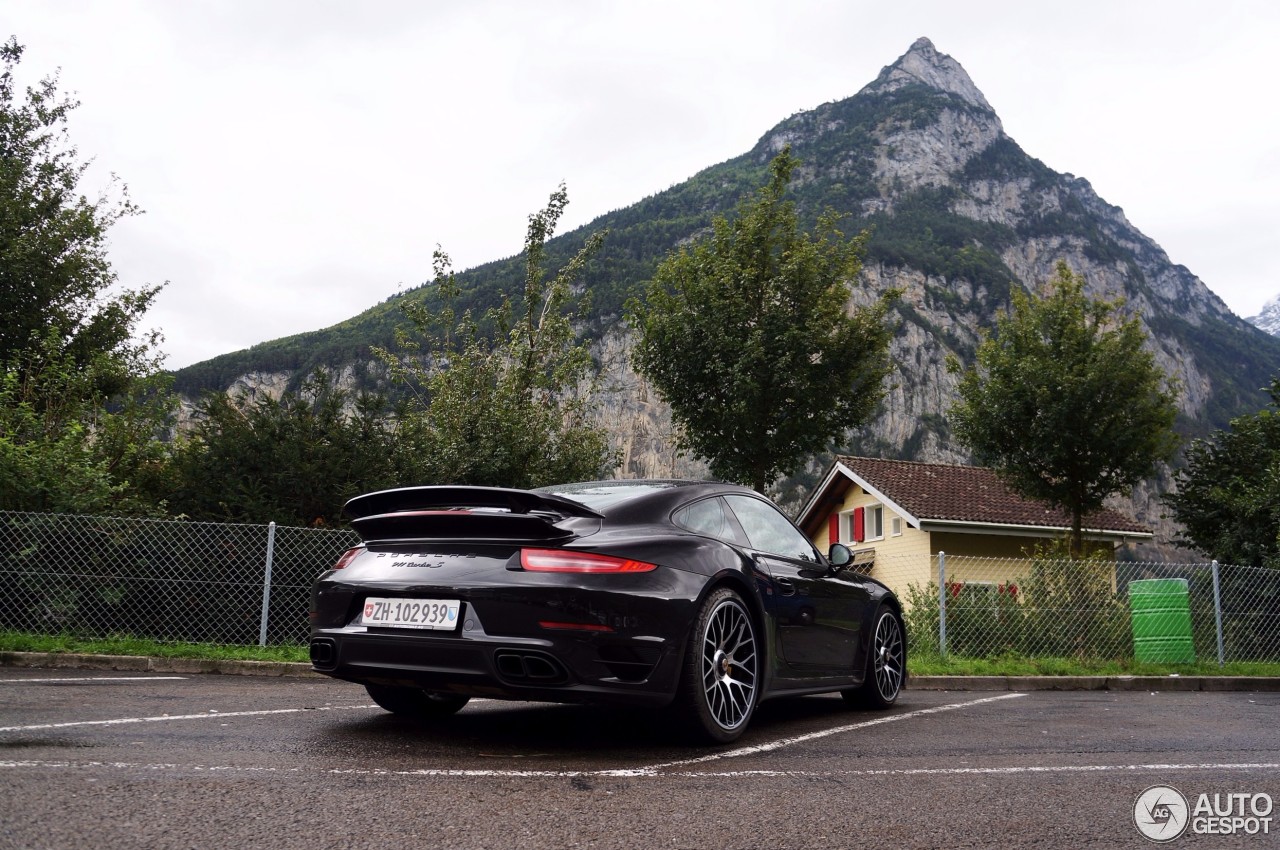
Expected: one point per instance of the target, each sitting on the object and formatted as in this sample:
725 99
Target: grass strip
1008 665
918 665
129 645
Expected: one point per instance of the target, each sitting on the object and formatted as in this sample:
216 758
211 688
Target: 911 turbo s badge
420 560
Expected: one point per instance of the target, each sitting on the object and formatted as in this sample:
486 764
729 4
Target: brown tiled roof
935 491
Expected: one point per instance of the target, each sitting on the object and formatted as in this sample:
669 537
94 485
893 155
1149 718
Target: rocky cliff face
960 214
1269 319
957 153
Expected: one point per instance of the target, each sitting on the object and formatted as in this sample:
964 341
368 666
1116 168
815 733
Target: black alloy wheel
886 664
720 685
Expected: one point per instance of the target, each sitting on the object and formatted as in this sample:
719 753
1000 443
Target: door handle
786 587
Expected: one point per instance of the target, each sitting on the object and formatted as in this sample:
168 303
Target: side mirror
840 555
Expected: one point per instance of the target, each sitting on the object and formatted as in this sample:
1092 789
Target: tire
415 702
719 684
886 664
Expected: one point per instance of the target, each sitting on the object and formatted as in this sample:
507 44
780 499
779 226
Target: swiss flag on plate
368 609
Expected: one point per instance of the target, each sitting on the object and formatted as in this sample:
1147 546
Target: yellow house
897 516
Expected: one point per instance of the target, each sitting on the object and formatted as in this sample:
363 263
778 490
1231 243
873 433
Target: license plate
411 613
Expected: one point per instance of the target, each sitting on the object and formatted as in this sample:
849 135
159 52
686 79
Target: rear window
598 495
707 517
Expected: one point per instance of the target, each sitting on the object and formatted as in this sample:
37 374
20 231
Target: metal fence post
1217 613
266 583
942 604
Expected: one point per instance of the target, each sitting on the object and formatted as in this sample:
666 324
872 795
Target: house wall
999 559
901 560
1005 545
985 545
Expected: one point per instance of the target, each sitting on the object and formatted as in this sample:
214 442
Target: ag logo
1160 813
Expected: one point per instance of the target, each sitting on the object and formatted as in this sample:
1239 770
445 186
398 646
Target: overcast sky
299 161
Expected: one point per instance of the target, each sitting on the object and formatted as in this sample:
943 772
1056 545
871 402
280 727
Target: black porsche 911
694 595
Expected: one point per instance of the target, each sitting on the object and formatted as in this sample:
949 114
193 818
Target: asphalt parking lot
120 760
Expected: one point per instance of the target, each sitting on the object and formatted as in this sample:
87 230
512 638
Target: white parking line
95 679
652 774
664 769
745 751
212 714
652 770
838 730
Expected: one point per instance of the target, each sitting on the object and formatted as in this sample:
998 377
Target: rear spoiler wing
462 513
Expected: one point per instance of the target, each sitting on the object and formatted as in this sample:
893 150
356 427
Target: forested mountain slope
959 214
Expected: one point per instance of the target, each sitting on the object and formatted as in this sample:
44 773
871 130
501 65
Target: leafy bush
1060 608
921 616
1072 610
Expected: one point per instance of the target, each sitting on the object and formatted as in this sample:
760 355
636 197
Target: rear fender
750 592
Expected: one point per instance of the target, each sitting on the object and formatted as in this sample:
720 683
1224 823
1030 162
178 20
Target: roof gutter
961 526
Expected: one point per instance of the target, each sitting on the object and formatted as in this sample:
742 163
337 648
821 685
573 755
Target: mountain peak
1269 319
923 63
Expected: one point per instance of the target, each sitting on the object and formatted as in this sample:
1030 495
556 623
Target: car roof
639 497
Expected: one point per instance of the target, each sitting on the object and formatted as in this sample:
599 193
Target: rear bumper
520 636
567 668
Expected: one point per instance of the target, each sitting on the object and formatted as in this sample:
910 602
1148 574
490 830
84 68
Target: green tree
54 270
1228 496
66 448
1065 402
504 399
80 399
295 460
746 333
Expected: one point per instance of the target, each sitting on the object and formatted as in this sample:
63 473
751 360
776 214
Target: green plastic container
1161 621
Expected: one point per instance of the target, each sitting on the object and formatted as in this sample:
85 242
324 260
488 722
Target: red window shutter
859 528
833 529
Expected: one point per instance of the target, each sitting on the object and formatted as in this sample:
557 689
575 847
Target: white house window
862 524
875 522
896 525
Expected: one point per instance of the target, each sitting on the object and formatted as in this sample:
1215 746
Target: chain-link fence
1104 610
166 580
223 583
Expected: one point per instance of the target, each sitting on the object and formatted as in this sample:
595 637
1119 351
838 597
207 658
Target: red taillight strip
348 556
579 627
449 512
564 561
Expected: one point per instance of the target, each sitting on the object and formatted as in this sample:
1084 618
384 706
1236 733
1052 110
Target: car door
818 610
